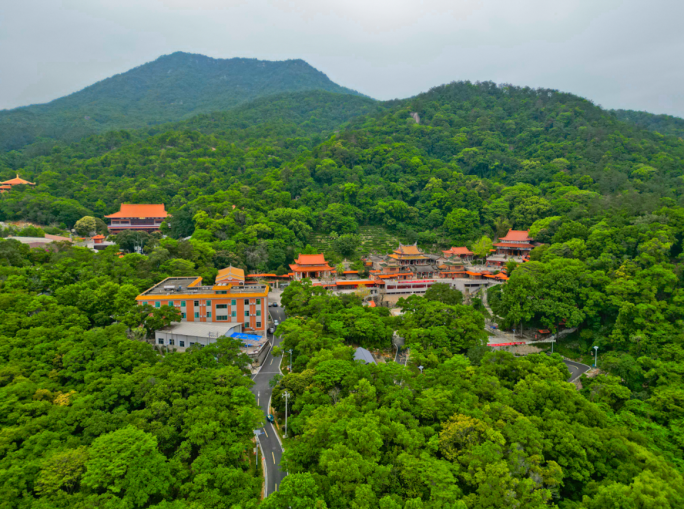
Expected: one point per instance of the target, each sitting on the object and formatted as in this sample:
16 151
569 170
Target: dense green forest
471 430
92 415
664 124
257 185
171 88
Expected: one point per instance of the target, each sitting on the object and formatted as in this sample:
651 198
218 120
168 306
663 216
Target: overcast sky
618 53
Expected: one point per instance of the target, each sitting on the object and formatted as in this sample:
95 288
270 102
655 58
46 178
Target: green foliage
93 415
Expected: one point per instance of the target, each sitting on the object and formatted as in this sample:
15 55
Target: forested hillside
171 88
254 186
664 124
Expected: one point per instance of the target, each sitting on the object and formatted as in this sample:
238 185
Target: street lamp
595 355
421 369
285 395
290 368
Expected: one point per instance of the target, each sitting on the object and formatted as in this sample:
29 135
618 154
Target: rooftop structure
231 275
515 243
137 217
459 252
361 354
16 182
311 266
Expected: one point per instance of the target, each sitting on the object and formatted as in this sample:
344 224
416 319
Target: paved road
576 369
269 441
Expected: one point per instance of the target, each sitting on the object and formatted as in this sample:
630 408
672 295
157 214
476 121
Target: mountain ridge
170 88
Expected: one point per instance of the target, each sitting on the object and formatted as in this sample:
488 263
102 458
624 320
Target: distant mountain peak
172 87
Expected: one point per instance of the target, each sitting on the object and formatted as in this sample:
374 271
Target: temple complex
310 266
137 217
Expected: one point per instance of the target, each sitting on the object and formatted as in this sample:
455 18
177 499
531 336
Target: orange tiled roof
17 181
316 259
310 268
133 210
516 235
408 250
262 275
230 273
458 251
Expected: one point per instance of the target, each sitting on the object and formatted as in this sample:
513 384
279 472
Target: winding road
268 440
576 369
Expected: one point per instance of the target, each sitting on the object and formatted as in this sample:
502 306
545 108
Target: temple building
410 255
515 243
462 253
137 217
311 266
7 185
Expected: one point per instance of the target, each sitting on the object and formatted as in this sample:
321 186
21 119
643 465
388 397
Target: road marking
272 454
271 361
276 488
257 401
265 431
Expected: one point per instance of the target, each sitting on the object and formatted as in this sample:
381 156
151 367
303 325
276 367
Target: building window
247 312
208 314
221 306
181 343
160 341
196 314
258 312
183 316
196 303
246 302
258 301
192 343
172 342
233 302
157 304
258 324
234 314
221 318
221 292
182 303
208 303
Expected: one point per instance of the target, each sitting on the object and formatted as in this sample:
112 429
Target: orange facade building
311 266
137 217
222 303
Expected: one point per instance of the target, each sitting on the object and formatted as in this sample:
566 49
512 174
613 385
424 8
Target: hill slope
173 87
664 124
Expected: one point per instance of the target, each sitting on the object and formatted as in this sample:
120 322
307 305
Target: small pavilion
7 185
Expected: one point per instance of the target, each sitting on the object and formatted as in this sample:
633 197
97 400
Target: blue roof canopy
246 337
